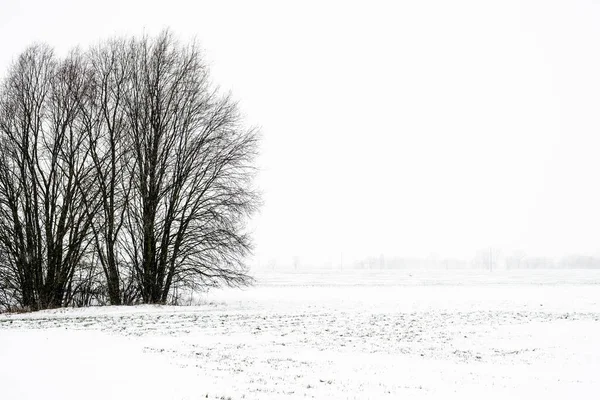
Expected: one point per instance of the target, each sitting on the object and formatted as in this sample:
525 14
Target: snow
333 334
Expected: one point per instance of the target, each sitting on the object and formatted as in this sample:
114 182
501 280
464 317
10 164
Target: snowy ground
350 334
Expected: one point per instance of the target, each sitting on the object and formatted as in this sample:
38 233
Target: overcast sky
399 128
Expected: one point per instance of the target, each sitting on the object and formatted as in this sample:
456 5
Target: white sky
400 127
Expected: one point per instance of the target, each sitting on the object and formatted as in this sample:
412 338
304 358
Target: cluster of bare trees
124 176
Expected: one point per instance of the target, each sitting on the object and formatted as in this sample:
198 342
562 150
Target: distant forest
484 259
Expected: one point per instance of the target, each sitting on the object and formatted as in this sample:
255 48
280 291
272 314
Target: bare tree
44 170
515 259
104 118
192 170
487 259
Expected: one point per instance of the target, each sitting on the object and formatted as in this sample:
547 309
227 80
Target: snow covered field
349 334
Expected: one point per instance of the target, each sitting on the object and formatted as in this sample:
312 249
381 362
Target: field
350 334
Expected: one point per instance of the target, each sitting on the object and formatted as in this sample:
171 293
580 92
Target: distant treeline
483 260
